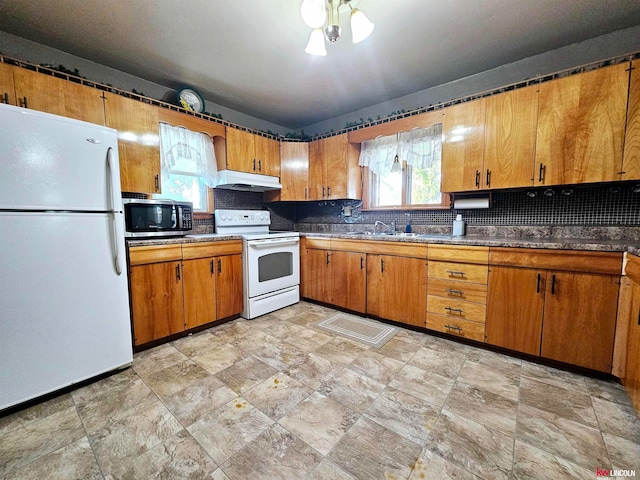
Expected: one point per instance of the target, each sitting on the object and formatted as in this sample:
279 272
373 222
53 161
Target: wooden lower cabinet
228 286
631 378
336 277
515 301
580 318
156 300
173 290
397 288
564 316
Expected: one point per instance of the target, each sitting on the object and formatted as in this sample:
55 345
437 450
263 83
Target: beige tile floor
275 398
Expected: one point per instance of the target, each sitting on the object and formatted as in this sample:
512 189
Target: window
188 165
404 170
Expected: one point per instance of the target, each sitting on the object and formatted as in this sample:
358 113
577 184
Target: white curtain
420 147
378 154
184 151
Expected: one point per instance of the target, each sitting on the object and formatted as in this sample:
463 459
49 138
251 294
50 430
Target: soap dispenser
458 226
407 227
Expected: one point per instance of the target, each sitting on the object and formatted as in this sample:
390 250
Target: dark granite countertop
207 237
517 242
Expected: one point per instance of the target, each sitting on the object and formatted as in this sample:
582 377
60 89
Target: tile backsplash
596 211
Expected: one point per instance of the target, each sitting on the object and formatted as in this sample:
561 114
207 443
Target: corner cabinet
581 127
175 288
333 169
247 152
138 142
558 305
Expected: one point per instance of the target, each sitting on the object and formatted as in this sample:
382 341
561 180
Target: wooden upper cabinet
631 160
7 86
581 121
49 94
333 169
267 155
251 153
510 138
240 150
294 171
138 142
463 147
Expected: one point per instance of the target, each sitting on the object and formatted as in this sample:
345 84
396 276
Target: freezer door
64 308
56 163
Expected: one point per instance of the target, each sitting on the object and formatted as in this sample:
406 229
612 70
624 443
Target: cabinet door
294 171
334 156
138 142
403 297
199 292
156 301
241 152
317 188
349 275
318 276
54 95
510 138
631 163
374 284
228 285
581 122
515 300
632 374
463 146
7 86
267 155
579 319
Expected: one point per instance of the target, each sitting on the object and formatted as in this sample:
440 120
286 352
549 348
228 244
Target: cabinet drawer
321 243
462 272
457 308
456 326
569 260
154 254
192 251
459 253
455 290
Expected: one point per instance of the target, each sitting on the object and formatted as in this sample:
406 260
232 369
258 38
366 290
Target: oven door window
275 265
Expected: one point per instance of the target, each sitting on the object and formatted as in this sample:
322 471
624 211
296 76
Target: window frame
369 192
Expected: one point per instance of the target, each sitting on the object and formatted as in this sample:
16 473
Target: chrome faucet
390 228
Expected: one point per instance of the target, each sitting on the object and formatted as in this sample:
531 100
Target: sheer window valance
421 147
187 152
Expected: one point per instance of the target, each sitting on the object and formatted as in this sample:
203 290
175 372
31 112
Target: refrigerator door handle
115 230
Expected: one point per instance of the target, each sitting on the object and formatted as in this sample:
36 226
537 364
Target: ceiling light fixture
317 13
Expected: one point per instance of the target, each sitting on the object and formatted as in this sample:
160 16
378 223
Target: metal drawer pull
6 98
453 272
454 327
451 291
454 310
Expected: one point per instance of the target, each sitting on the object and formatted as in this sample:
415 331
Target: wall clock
191 100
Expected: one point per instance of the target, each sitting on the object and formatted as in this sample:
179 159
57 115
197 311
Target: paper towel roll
468 203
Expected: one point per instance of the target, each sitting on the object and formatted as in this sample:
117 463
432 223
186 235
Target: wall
32 52
600 48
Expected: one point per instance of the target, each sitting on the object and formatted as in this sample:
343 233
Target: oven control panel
240 218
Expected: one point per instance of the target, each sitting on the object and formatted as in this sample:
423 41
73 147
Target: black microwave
157 218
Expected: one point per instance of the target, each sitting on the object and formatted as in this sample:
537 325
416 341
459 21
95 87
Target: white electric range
270 260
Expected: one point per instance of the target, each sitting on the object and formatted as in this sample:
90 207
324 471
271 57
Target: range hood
247 182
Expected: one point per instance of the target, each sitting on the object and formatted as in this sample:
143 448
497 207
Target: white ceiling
248 55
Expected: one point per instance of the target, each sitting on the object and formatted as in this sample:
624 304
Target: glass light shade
313 12
316 43
361 26
395 166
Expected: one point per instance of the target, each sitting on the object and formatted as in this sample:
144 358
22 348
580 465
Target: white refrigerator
64 306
